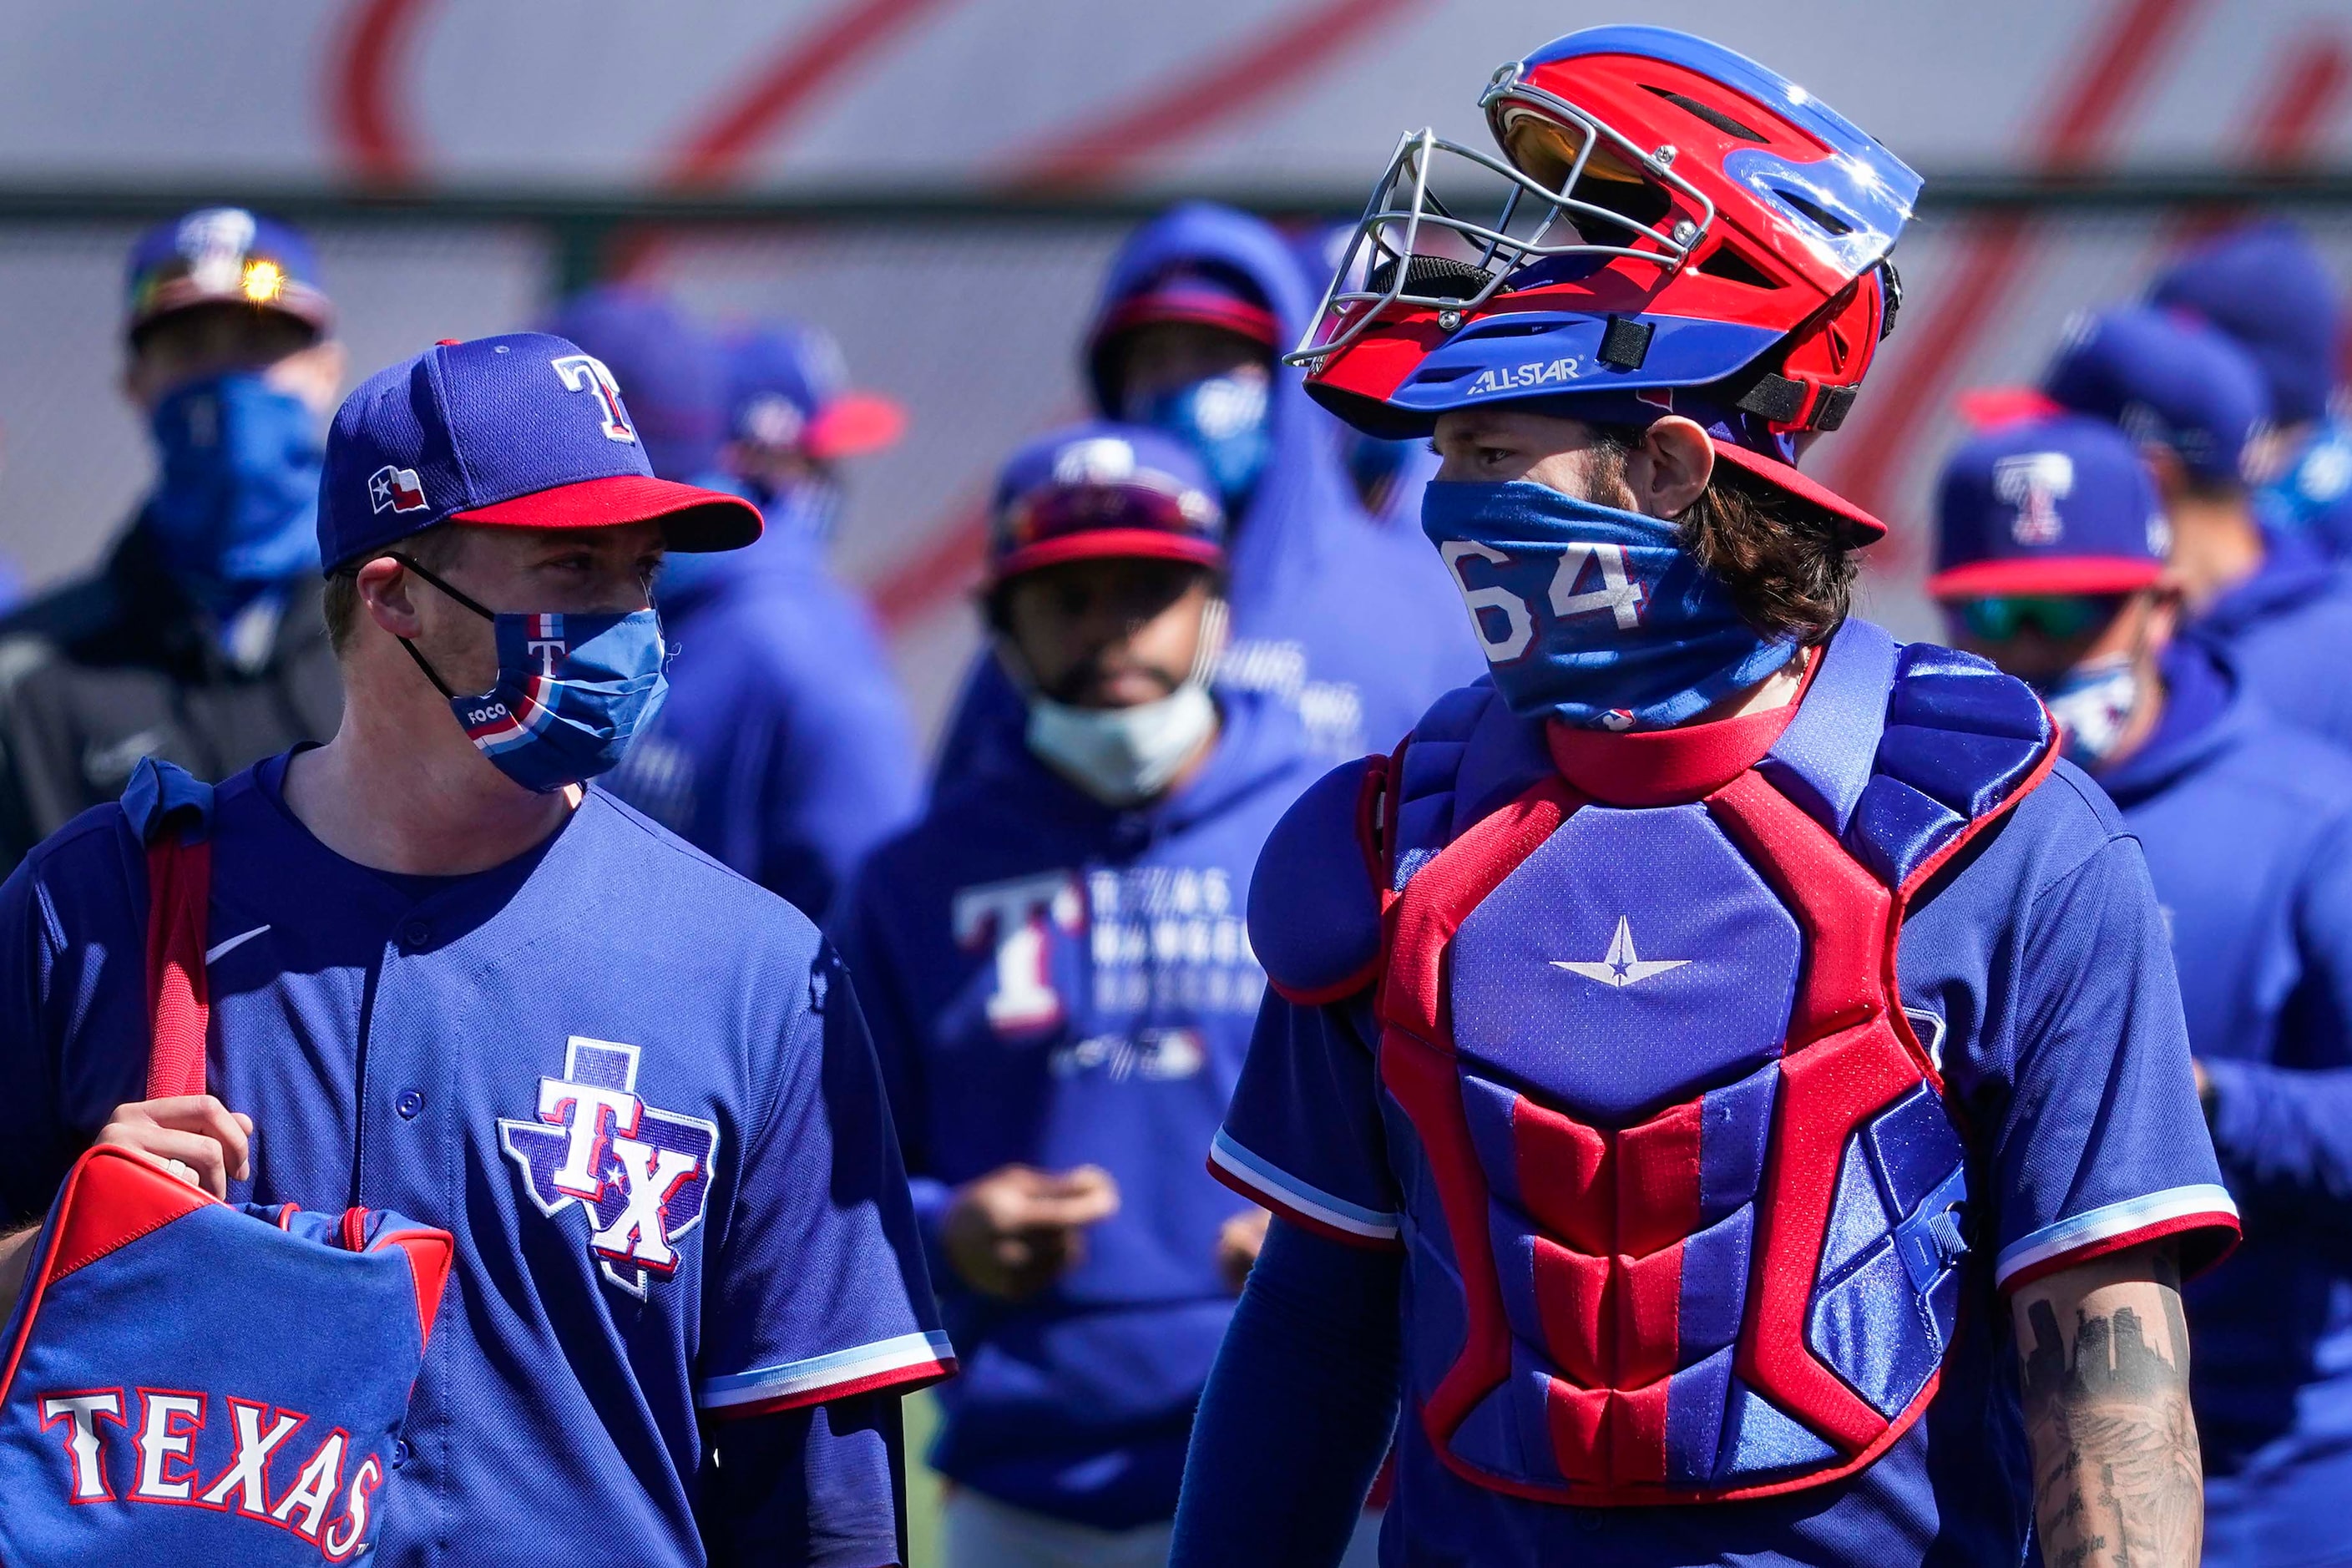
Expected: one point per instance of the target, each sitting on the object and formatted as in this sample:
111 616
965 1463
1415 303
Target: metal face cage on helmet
1666 214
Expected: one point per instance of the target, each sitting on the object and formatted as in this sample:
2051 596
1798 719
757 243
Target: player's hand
1017 1229
1239 1241
194 1136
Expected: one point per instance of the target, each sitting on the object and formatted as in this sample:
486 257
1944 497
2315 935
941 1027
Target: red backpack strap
172 812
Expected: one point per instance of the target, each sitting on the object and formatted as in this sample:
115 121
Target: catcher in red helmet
1725 1096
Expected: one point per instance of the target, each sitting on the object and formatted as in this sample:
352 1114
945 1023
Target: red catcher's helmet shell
1674 215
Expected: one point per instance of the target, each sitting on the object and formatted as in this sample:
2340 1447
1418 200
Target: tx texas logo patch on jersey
642 1175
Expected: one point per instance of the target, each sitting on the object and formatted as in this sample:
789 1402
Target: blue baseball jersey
1055 983
2034 969
634 1086
2293 617
2247 827
785 749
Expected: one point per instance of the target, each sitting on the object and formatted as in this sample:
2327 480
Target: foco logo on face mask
1518 377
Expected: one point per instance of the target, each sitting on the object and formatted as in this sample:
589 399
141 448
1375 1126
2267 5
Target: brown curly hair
1790 572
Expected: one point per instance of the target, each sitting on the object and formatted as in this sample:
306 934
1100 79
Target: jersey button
399 1452
415 934
408 1105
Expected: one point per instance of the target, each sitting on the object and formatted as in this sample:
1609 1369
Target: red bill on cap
692 518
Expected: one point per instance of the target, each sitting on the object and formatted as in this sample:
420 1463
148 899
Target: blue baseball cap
788 386
2166 380
2266 287
520 431
2060 504
223 256
674 371
1103 489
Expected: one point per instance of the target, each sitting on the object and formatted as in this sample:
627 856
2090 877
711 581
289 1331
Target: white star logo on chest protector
1621 966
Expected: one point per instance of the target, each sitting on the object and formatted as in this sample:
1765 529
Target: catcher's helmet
1673 216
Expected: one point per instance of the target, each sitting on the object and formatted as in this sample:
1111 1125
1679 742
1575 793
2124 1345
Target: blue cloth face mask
237 502
1589 614
571 690
1227 422
2094 703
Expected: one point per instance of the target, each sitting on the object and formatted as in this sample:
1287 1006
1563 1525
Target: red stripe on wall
2136 38
801 69
1092 151
2297 99
363 109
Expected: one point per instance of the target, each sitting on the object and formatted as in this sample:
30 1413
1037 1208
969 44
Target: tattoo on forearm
2118 1480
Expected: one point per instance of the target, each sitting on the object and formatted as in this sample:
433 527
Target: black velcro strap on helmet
1836 403
1776 398
1782 401
1626 343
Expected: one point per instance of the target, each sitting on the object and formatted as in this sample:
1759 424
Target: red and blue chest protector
1683 1196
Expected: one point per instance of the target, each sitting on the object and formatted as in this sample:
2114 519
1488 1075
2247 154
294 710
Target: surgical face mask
238 501
1125 756
1589 614
2094 703
1122 756
1225 420
571 690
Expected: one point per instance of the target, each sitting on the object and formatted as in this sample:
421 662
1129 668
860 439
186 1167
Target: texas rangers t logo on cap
587 373
395 487
2034 483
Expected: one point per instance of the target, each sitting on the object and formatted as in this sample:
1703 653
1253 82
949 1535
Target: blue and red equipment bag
192 1380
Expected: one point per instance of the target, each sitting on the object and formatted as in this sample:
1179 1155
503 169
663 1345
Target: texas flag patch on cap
395 488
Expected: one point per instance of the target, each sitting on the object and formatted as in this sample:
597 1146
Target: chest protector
1687 1207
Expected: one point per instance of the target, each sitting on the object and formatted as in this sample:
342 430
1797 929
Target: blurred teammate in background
2053 564
2266 287
1352 624
785 749
1387 474
2198 408
1053 964
199 638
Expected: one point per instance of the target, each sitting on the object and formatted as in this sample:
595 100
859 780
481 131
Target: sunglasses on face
2058 616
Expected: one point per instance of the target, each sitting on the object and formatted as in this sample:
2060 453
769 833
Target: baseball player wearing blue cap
2266 287
199 638
1054 964
1344 618
785 749
2196 405
2051 563
449 977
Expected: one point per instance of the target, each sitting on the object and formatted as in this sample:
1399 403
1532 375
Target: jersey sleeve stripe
1294 1199
906 1359
2112 1229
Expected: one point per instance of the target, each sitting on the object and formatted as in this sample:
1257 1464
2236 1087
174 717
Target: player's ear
1670 468
387 593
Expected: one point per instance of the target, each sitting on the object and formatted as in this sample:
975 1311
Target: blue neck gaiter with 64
1589 614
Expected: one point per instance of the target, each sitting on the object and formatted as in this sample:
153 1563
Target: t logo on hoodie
1018 918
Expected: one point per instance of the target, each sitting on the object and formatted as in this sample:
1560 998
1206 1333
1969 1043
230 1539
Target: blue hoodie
1354 623
784 750
2247 825
1052 982
2285 624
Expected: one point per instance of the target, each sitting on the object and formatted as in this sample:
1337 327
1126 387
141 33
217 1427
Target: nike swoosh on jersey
233 943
